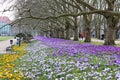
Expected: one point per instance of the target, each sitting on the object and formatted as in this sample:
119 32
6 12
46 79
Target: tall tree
111 16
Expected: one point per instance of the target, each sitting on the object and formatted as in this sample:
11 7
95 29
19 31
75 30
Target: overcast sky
5 4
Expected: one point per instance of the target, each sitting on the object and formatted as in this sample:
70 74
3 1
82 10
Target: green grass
93 42
97 43
1 55
118 45
3 38
101 43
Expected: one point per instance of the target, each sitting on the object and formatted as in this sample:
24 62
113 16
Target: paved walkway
5 44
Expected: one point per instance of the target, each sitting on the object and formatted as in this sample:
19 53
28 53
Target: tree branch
75 15
86 5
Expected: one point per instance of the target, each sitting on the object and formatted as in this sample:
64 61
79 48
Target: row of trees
60 16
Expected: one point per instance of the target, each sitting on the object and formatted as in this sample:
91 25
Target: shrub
29 35
20 35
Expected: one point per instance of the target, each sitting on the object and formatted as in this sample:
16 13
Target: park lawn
97 43
3 38
93 42
118 45
101 43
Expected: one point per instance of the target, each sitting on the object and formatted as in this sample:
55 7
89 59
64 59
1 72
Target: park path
5 44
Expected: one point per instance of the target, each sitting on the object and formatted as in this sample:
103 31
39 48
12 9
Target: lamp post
11 42
19 25
19 41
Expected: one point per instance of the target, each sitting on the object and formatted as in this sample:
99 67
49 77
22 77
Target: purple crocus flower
80 60
117 62
55 54
98 65
72 48
86 59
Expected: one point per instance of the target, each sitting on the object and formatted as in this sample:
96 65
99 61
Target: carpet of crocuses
59 59
71 48
7 65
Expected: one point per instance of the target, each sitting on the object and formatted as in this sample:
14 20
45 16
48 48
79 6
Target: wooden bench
8 48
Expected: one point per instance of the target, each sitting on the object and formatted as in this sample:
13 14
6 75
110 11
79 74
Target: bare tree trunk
110 36
76 34
56 33
87 35
98 33
75 30
117 33
67 34
62 34
87 29
111 30
67 30
111 25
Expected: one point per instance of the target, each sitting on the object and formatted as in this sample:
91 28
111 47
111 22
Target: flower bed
72 48
7 65
59 63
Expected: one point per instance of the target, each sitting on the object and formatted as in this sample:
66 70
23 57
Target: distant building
5 28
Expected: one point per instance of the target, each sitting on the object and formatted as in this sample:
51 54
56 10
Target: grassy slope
3 38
